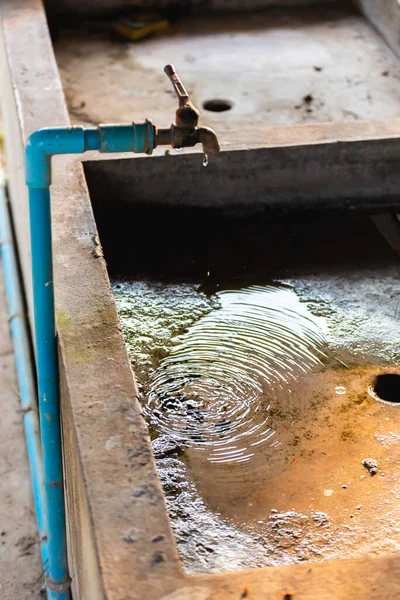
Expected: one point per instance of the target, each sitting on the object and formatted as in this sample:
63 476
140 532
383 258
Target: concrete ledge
113 528
105 436
358 174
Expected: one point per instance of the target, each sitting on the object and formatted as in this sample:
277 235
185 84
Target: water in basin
254 369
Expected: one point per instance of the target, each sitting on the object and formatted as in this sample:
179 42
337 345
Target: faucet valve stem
184 132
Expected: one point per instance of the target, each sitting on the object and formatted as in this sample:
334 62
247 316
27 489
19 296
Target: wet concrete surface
303 493
84 305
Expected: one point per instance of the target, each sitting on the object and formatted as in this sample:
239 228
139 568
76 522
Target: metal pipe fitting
185 133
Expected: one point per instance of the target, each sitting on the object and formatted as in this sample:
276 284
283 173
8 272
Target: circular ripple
213 390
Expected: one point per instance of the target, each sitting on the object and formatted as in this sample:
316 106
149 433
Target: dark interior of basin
212 246
237 485
241 218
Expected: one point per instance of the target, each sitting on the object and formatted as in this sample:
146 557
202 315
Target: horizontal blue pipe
41 146
45 143
23 361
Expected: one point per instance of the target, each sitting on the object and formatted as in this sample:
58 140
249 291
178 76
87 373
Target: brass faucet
184 132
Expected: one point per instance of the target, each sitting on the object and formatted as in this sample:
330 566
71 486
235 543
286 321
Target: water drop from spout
205 160
178 149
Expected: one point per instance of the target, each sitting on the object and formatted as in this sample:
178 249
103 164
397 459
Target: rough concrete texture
21 575
236 505
13 150
365 176
306 66
385 15
91 347
125 548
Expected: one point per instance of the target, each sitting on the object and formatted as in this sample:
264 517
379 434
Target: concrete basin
256 335
315 137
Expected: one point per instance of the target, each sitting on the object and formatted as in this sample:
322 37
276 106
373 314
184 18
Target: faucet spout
177 138
209 139
184 132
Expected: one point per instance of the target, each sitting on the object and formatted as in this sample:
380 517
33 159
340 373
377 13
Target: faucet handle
187 116
184 132
179 88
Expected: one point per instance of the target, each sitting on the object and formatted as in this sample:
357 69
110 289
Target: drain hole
217 105
387 387
288 597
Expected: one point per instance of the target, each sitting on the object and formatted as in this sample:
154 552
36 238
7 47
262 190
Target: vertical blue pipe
41 146
48 394
23 361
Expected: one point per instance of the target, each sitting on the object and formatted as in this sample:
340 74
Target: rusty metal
184 132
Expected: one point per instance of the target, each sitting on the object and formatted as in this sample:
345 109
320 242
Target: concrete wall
120 541
98 392
15 165
361 174
385 16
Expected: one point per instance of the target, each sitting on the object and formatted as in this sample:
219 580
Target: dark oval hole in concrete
387 387
217 105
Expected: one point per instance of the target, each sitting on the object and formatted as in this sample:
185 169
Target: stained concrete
21 574
98 393
360 175
266 510
314 96
102 558
385 15
276 68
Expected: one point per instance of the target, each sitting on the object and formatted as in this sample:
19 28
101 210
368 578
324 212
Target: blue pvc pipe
41 146
48 396
23 361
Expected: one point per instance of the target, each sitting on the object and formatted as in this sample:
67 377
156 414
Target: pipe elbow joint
42 144
37 161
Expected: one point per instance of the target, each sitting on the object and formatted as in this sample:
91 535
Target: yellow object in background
140 26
